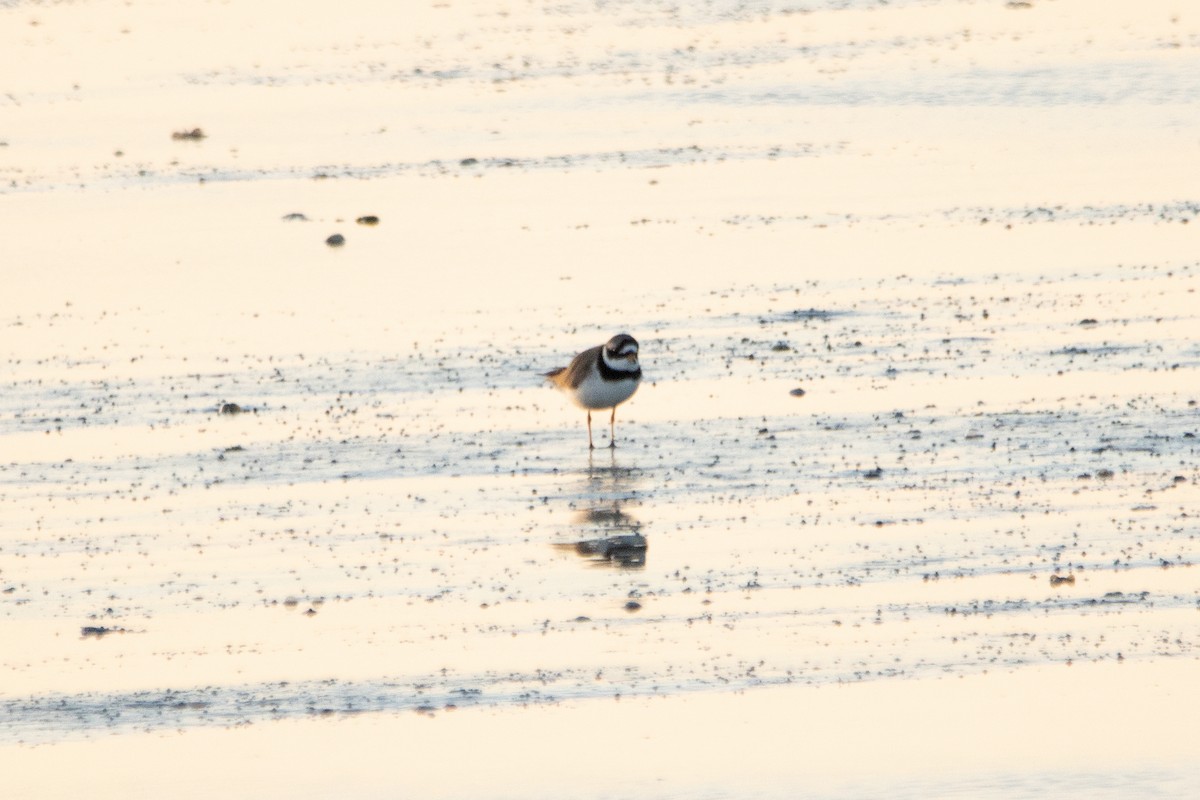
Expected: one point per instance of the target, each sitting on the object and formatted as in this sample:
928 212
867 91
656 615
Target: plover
601 377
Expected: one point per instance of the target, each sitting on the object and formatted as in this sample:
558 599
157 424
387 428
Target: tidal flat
905 506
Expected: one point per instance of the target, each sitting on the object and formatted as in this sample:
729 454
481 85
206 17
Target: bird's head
621 352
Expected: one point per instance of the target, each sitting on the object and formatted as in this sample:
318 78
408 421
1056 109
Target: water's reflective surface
965 232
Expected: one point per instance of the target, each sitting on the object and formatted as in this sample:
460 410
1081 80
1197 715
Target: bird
601 377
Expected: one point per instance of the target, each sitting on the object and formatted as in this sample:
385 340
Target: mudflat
904 507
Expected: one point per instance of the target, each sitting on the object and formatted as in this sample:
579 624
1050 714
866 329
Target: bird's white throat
620 365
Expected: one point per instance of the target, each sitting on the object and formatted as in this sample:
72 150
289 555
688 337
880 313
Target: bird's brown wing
581 367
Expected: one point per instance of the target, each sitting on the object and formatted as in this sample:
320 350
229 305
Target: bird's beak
632 358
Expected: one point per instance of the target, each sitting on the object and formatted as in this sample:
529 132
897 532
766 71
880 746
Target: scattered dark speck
98 632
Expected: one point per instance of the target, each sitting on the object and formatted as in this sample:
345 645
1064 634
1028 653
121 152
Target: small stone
336 240
369 219
231 408
1057 580
797 392
873 474
98 632
295 216
468 162
195 135
632 605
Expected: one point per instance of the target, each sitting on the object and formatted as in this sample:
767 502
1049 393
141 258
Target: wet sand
959 562
1023 733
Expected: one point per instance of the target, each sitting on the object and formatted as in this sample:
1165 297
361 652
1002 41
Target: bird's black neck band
610 374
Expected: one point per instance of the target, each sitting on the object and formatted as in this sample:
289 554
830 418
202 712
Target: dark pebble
797 393
195 134
1088 321
295 216
337 240
468 162
231 408
370 219
633 605
1056 580
873 474
91 630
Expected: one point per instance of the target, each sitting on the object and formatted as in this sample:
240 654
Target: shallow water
908 515
966 231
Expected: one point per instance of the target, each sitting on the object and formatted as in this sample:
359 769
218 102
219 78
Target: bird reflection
613 535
